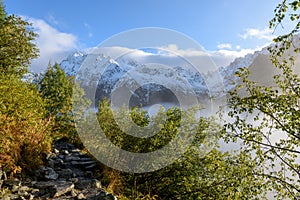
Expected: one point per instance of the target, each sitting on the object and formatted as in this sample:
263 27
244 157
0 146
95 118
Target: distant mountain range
126 78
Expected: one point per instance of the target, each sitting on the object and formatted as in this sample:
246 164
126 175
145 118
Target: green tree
195 175
267 118
16 44
2 11
57 89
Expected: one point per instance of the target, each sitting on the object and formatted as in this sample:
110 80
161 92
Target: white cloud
262 34
220 58
201 59
53 44
224 46
223 58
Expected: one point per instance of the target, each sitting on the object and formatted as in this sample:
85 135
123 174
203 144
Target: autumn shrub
24 132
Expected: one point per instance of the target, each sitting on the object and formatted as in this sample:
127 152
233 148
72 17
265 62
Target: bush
24 133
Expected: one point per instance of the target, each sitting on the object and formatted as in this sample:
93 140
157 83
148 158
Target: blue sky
231 25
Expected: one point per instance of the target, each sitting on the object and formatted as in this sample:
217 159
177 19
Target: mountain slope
144 83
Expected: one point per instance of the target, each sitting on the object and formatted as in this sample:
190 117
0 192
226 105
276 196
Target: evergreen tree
16 44
57 90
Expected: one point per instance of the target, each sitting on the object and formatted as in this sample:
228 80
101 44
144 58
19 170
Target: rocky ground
68 174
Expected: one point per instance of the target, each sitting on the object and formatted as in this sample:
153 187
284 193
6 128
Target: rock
56 151
102 195
44 188
46 173
11 197
90 166
73 193
23 194
51 163
59 162
72 158
51 156
74 180
70 146
4 176
78 173
51 174
65 152
61 157
15 188
54 188
1 174
30 197
85 165
88 184
11 182
35 191
80 196
24 191
89 174
63 188
76 151
111 197
96 184
66 173
82 163
86 159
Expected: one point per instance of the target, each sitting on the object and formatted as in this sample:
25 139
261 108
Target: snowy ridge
131 74
227 73
72 63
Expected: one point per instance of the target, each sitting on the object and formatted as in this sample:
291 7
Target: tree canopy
17 46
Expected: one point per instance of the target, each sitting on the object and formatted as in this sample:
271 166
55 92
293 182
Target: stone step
67 175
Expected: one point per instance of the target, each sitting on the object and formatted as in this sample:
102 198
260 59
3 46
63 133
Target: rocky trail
68 174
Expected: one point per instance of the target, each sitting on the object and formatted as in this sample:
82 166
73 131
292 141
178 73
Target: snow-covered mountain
130 76
146 84
227 73
72 63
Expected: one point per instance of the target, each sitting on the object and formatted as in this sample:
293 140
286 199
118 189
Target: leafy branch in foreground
267 118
